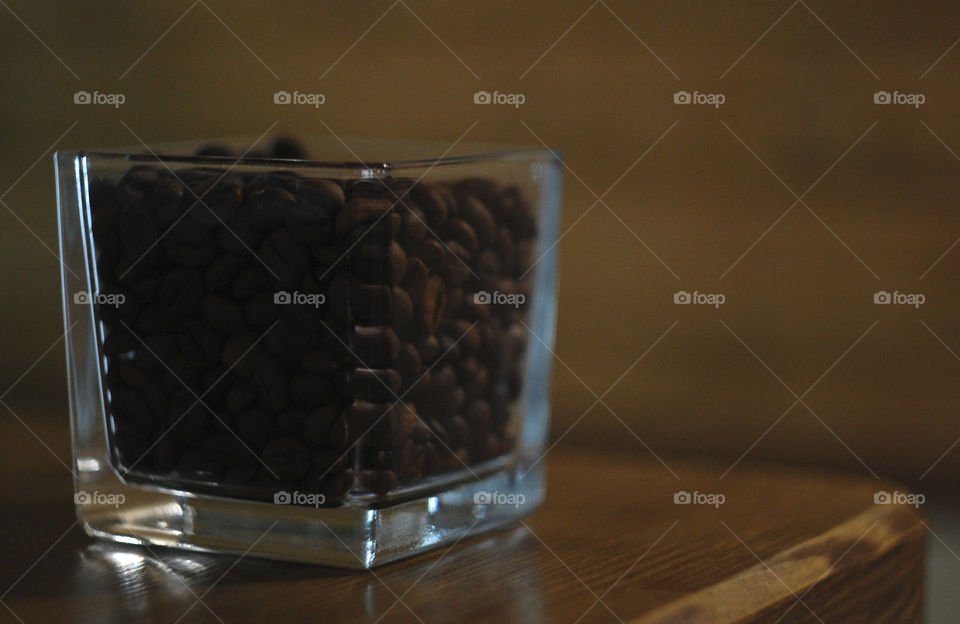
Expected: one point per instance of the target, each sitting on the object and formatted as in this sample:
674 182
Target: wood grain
609 545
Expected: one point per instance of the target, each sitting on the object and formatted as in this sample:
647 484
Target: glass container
342 361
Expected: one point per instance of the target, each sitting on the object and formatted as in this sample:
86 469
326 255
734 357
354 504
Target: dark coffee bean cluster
291 332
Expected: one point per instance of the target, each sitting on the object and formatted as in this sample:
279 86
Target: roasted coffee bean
433 253
240 396
373 303
378 385
285 259
455 267
272 392
318 424
188 245
291 421
328 461
221 272
402 308
256 427
476 214
458 431
379 232
222 314
480 418
321 192
339 310
373 423
310 223
413 227
376 346
320 362
415 281
431 305
360 211
428 197
239 239
461 231
260 310
407 461
429 349
236 354
287 457
310 390
266 207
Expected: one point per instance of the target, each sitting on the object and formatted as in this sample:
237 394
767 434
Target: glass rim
520 153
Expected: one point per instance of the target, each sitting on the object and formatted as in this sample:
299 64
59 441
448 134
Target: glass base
355 536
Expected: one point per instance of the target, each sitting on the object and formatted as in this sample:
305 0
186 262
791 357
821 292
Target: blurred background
797 198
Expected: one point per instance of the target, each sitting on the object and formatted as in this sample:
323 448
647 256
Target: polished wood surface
609 545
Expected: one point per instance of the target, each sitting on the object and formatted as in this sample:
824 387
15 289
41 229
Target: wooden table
609 545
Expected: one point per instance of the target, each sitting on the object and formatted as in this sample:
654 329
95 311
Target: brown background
699 199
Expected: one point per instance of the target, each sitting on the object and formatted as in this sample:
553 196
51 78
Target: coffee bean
222 314
402 308
360 211
318 424
430 306
476 214
373 303
321 192
255 427
287 457
375 346
266 207
373 423
432 202
413 227
380 385
240 396
272 391
310 390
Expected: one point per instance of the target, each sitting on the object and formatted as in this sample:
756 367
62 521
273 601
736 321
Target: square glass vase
342 361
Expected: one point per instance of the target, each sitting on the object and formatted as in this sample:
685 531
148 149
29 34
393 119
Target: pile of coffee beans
330 336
